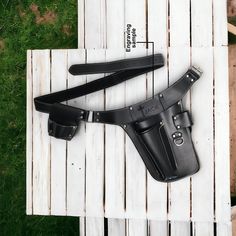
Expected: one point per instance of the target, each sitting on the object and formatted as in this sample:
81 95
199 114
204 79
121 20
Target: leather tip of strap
72 70
159 59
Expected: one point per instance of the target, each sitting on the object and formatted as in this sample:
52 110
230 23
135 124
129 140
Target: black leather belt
158 127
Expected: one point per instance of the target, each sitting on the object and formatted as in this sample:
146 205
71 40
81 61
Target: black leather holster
160 128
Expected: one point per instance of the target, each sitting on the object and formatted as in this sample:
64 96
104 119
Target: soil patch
49 17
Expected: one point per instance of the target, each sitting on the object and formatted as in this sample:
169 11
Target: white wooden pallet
109 179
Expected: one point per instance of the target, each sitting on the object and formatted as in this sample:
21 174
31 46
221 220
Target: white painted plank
81 23
179 23
158 22
135 92
180 228
224 229
157 33
115 23
135 14
76 147
95 146
29 135
201 12
58 146
82 227
179 191
94 226
137 227
203 229
158 228
222 136
116 227
41 140
157 191
95 24
135 168
202 133
220 22
114 136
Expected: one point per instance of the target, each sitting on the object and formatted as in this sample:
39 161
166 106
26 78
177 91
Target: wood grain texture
115 24
202 133
135 92
114 149
95 24
117 227
29 135
224 229
203 229
94 226
137 227
220 23
58 147
179 191
222 136
135 168
179 22
41 140
76 147
158 228
95 146
157 33
180 228
201 23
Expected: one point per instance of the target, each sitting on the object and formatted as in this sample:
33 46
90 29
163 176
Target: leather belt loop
182 120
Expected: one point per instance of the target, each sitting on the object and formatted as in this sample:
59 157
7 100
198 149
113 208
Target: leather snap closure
177 138
179 141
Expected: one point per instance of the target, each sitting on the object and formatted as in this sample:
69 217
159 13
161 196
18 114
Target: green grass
19 32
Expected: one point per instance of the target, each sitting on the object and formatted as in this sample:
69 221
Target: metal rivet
124 126
178 127
173 136
161 123
70 135
81 117
97 119
192 80
131 108
175 118
82 112
160 95
98 113
187 76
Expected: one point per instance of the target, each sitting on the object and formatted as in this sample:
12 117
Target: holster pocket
62 122
165 145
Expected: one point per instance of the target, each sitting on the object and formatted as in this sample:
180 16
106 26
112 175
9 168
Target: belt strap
124 70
